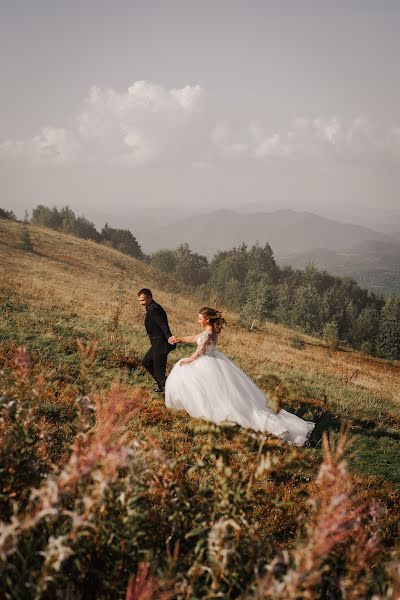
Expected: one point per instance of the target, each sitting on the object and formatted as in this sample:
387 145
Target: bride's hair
214 317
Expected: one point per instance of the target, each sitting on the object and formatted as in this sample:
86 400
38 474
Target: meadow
134 501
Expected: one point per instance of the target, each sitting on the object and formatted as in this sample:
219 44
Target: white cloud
149 124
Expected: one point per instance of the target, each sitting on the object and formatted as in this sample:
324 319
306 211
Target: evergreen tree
305 308
260 259
47 217
122 239
365 329
191 267
25 242
284 302
83 228
68 218
388 340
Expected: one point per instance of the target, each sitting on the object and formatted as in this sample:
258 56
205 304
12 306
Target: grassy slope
71 288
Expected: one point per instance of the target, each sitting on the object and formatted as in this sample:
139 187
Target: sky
145 112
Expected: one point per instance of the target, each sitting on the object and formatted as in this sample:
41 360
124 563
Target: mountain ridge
374 264
287 231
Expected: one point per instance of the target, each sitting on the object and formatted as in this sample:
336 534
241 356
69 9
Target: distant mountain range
287 231
371 257
373 264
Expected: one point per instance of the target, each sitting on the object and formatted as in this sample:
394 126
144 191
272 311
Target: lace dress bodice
206 344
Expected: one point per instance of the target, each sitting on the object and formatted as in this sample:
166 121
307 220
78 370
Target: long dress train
213 388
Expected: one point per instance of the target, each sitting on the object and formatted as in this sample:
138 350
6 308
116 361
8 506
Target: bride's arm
190 339
199 352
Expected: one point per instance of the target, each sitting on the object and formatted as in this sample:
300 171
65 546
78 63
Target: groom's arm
160 317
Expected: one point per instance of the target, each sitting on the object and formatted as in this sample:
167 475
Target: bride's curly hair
214 317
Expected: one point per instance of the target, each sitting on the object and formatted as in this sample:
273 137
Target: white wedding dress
213 388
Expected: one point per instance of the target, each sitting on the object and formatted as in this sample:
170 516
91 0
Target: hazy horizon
137 112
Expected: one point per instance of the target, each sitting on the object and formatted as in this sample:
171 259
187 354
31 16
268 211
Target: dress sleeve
205 340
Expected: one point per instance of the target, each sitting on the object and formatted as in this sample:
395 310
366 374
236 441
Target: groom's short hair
145 292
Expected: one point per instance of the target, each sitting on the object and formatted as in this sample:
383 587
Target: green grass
51 339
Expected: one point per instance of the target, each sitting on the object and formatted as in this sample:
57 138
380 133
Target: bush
297 342
366 347
208 526
25 242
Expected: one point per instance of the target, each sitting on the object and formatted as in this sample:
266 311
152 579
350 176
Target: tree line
67 221
247 279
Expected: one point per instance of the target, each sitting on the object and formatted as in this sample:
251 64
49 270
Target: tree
284 302
122 240
191 268
47 217
164 261
388 340
365 329
25 242
261 259
305 308
83 228
228 265
260 303
68 218
7 214
330 334
232 294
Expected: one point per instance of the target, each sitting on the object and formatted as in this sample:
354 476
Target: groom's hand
172 340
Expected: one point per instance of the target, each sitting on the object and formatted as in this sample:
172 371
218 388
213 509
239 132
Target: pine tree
25 242
388 341
365 329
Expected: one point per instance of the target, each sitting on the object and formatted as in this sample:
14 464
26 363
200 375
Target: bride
209 386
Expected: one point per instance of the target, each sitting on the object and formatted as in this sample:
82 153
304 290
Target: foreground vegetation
132 497
195 525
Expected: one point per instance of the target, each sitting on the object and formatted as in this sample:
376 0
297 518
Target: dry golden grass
75 288
89 280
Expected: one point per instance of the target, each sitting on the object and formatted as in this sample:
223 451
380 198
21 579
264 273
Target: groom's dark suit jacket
156 323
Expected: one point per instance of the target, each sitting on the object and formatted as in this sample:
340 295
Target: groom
156 323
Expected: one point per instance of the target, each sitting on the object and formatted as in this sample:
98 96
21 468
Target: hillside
287 231
87 283
199 479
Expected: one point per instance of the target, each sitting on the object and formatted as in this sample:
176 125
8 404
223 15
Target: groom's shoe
159 391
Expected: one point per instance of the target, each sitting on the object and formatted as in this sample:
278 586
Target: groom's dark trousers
155 359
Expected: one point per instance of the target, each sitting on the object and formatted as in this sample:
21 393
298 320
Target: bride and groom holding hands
207 384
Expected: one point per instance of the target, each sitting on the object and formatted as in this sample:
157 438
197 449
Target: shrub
297 342
25 241
120 519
